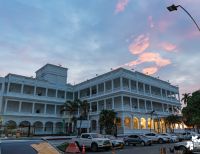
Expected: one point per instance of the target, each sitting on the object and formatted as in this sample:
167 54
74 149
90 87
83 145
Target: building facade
141 101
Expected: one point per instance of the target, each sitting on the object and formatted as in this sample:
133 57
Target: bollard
83 149
113 151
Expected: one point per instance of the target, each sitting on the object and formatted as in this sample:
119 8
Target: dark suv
137 139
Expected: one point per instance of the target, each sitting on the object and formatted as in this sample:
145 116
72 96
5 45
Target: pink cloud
150 70
168 46
150 21
139 45
163 25
121 5
150 57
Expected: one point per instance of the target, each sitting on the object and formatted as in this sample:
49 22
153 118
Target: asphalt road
154 149
18 146
23 147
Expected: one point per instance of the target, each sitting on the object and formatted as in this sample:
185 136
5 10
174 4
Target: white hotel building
36 102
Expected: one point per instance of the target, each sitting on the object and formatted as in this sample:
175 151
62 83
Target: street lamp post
174 8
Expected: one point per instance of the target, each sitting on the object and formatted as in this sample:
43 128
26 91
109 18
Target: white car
173 138
189 146
93 141
157 138
116 142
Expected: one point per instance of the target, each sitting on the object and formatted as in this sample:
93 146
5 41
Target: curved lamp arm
174 8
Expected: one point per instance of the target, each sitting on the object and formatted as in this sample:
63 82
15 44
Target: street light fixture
174 8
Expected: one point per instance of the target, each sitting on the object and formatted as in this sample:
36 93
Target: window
85 135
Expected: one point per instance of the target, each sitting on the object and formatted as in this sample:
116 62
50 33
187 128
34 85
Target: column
129 84
137 87
131 104
163 107
5 107
20 106
172 109
22 88
168 108
46 90
45 108
144 87
122 99
138 102
112 85
90 106
161 92
147 122
55 109
97 89
8 87
79 94
121 83
113 105
145 104
34 90
139 122
151 105
33 108
56 93
104 101
131 122
90 91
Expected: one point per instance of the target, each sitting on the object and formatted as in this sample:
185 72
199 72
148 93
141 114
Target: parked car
93 141
157 138
173 138
137 139
116 142
189 146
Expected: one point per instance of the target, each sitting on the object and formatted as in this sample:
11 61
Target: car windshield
96 136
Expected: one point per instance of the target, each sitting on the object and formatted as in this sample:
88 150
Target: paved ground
154 149
23 147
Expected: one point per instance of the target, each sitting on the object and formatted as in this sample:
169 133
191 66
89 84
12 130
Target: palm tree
171 120
84 110
71 107
186 97
106 121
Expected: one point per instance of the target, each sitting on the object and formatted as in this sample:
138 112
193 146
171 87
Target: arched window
135 123
143 123
127 122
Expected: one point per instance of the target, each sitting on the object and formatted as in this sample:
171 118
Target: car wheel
142 143
160 141
183 149
150 144
94 147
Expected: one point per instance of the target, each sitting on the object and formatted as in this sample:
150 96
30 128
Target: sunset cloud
139 45
121 5
150 70
168 46
150 57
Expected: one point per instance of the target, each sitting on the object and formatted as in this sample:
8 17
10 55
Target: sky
90 37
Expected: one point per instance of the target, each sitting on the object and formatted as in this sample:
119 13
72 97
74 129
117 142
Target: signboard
84 124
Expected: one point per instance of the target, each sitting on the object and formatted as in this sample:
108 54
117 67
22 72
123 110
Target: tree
107 121
186 98
84 110
191 113
171 120
71 107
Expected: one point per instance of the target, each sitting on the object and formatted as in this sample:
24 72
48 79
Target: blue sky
92 36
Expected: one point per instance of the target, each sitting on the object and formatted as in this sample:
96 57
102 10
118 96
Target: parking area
154 149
